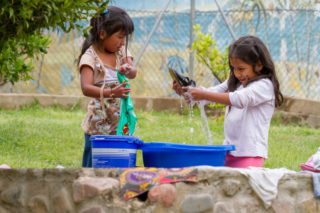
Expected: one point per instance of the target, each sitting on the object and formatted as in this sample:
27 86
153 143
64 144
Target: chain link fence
292 37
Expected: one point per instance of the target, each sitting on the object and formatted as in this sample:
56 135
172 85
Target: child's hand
127 69
177 88
120 91
193 93
182 91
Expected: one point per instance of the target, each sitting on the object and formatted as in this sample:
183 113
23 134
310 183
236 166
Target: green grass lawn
36 137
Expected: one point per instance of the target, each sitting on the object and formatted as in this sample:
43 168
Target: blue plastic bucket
172 155
114 151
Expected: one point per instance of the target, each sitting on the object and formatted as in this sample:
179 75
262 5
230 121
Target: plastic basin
173 155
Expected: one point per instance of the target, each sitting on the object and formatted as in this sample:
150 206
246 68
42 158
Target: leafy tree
208 53
22 27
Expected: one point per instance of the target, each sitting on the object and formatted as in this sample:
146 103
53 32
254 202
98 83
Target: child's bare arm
198 94
86 82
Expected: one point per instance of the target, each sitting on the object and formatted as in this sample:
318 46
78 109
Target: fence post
191 54
225 21
155 26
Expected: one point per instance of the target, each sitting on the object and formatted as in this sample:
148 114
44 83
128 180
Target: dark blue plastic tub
114 151
172 155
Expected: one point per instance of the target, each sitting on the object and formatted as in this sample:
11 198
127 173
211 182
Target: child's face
242 71
114 42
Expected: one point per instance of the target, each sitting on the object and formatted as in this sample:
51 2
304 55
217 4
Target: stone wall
218 190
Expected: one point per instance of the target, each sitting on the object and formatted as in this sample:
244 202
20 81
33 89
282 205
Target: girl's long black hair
251 50
113 20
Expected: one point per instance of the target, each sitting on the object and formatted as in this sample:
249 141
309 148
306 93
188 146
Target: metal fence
292 37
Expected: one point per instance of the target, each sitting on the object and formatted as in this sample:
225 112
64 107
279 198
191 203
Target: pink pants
243 162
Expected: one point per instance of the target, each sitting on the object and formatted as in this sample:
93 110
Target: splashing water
204 120
190 108
205 124
190 119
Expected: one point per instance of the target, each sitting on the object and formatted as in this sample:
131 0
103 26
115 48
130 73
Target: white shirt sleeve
255 93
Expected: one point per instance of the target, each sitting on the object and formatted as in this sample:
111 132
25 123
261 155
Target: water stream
190 119
204 120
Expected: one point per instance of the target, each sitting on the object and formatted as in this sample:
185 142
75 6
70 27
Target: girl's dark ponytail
90 38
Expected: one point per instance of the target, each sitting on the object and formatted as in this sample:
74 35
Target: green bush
208 53
22 26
